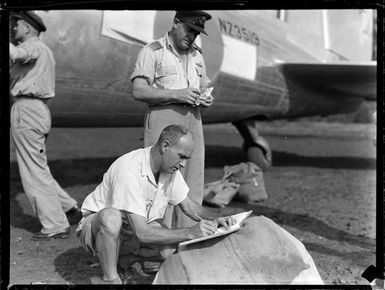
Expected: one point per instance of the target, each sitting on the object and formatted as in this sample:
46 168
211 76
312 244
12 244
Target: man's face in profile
175 156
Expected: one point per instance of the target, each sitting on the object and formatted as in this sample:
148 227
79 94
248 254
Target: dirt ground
321 189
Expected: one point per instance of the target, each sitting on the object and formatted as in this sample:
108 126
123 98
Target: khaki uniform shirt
162 67
33 75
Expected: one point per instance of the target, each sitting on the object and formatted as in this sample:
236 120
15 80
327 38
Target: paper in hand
240 217
207 92
204 96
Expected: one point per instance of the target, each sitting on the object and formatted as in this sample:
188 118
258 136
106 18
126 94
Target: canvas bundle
245 178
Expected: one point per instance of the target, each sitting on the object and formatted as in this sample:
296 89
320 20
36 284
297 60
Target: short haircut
33 29
172 134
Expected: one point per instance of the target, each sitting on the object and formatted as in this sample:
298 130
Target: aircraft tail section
348 34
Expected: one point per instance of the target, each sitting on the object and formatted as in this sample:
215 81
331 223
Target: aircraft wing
337 79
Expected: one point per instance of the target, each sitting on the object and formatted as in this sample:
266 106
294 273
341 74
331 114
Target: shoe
150 267
126 275
65 234
74 215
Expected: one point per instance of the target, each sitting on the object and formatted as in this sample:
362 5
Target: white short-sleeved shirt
129 185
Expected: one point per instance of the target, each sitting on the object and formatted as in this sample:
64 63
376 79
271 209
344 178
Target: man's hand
204 228
206 99
226 222
188 95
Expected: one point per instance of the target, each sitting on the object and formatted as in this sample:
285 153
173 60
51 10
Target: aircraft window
239 58
129 26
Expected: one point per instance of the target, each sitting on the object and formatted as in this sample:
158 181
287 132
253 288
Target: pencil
198 216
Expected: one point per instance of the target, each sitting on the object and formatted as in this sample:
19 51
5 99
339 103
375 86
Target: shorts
129 245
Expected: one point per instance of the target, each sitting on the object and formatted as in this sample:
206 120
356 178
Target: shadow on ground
90 171
219 156
67 172
75 266
79 267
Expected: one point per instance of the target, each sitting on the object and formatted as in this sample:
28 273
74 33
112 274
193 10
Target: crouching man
122 221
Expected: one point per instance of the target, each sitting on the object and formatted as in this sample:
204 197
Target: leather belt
46 101
185 105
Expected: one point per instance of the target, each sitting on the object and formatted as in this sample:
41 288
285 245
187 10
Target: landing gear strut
256 147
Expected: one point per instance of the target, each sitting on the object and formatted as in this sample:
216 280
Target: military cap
33 19
194 19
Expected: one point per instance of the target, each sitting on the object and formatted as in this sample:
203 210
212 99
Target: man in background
170 76
32 86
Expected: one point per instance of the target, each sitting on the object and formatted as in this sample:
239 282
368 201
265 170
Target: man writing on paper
123 216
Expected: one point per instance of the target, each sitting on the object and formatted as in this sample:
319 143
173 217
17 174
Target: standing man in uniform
170 76
32 86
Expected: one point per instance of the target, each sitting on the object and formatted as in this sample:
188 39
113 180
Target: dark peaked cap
33 19
194 19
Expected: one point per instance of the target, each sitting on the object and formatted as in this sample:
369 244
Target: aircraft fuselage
95 52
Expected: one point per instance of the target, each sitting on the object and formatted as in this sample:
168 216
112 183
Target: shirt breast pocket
167 75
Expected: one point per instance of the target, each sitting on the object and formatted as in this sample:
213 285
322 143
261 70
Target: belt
174 104
46 101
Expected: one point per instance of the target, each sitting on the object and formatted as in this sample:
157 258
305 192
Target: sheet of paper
240 217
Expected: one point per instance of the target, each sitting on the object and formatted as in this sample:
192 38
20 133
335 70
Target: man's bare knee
110 221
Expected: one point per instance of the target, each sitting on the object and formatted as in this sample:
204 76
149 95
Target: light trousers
159 117
30 125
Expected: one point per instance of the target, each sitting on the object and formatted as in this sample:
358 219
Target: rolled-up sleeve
26 52
145 65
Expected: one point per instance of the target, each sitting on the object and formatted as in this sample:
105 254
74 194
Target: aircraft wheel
256 155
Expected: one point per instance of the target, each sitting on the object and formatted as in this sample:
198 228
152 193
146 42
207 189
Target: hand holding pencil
204 227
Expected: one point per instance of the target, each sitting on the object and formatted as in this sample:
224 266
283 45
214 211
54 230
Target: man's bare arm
197 212
142 91
17 52
152 234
